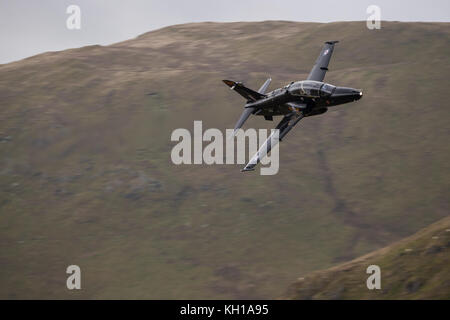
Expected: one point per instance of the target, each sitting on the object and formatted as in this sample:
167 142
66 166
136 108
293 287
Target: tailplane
247 93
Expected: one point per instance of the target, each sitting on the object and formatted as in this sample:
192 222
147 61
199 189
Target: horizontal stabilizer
247 93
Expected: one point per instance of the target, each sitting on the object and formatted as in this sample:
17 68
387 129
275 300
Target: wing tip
332 42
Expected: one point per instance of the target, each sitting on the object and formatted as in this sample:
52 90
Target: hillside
414 268
86 176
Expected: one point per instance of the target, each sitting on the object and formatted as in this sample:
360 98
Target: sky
29 27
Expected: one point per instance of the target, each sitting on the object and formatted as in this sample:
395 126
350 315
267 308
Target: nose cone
343 94
359 95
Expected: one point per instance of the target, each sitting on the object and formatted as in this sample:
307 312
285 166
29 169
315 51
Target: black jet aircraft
295 101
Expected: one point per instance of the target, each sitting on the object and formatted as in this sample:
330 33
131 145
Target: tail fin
247 93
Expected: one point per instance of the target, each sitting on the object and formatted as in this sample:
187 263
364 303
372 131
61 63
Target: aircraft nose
360 94
347 94
356 94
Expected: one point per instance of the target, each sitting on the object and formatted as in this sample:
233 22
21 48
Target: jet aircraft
295 101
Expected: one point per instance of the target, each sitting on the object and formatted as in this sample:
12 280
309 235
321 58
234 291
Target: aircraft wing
285 125
264 87
321 66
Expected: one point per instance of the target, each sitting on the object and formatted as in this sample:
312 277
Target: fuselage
313 97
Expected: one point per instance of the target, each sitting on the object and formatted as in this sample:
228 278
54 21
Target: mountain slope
414 268
86 175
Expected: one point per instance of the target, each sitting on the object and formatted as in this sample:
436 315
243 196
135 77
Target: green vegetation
86 176
414 268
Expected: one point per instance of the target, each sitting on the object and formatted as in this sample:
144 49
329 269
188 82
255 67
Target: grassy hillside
413 268
86 176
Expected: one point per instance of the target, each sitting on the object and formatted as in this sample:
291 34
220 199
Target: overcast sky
29 27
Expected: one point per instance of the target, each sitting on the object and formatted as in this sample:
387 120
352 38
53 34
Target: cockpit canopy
327 88
310 88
